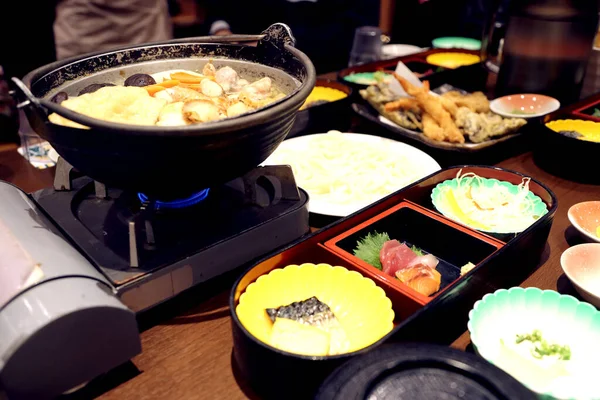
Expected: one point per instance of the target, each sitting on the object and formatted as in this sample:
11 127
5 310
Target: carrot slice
152 89
169 83
184 77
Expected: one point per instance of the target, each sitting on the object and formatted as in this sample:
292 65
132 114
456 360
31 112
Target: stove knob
9 121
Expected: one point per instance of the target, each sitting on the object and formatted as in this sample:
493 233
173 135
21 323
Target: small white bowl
581 264
585 217
506 313
525 105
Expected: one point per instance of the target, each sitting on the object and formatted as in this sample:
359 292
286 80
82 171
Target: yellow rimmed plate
589 130
452 60
361 307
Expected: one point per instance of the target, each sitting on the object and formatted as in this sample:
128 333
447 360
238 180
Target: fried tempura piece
433 106
476 102
431 129
450 106
405 103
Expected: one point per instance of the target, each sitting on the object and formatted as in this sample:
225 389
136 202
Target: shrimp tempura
433 107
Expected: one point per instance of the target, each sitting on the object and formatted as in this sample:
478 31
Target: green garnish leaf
543 348
417 251
369 247
596 113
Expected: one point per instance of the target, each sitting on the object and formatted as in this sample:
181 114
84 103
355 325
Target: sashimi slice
421 278
386 250
426 260
395 257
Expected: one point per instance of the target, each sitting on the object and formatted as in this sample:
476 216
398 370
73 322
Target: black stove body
151 250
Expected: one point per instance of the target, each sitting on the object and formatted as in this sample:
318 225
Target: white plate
323 204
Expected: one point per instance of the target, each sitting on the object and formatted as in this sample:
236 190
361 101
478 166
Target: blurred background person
83 26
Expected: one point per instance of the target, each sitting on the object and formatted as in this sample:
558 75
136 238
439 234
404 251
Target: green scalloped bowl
539 208
509 312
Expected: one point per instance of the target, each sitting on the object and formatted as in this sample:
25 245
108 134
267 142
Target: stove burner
176 204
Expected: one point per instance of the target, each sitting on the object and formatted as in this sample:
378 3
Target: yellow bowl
361 307
452 60
589 130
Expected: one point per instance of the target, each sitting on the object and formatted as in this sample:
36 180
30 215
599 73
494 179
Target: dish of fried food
453 118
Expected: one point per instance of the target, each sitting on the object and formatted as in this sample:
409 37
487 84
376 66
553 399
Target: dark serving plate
408 215
470 78
324 117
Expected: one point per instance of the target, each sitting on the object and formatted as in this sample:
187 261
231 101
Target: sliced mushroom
210 88
93 87
237 109
140 80
201 111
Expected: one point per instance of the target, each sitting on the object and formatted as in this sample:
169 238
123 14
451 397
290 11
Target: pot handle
278 34
216 39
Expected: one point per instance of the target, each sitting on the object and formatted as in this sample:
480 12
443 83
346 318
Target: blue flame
177 204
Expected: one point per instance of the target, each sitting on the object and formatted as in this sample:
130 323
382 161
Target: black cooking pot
169 163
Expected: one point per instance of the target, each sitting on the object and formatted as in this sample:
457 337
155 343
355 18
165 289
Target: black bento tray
440 319
564 156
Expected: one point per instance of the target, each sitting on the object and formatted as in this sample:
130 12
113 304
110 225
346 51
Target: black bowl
172 162
420 371
325 117
270 372
565 156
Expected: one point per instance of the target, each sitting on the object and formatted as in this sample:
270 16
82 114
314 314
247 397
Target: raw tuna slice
395 257
386 251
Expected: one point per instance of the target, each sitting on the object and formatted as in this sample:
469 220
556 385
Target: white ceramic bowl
502 315
525 105
585 217
581 264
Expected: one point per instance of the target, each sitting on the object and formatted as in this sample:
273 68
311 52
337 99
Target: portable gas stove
103 254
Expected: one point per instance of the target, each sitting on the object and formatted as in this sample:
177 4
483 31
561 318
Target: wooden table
187 344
